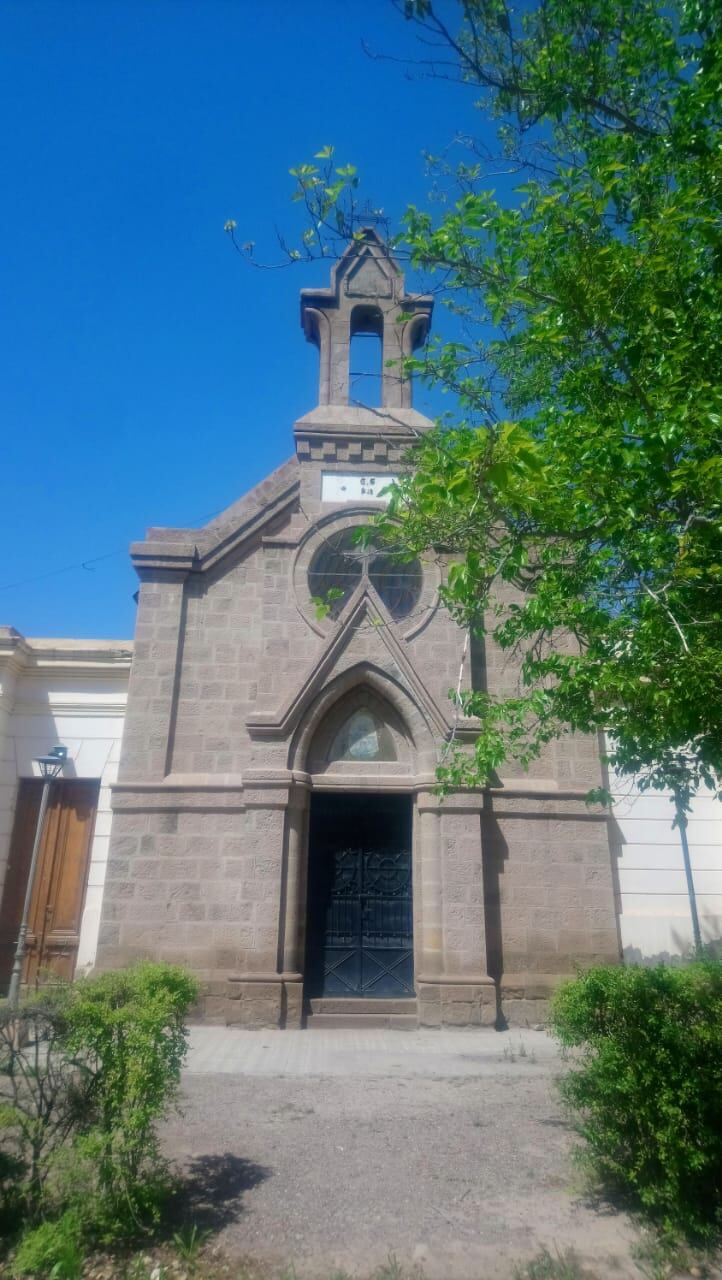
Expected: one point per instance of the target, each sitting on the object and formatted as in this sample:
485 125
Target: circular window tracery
341 563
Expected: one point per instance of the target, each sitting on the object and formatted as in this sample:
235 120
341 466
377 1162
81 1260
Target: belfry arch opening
366 310
366 344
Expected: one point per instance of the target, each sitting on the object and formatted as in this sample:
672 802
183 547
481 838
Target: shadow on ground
212 1188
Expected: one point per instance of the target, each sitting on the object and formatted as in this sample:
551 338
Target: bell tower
367 296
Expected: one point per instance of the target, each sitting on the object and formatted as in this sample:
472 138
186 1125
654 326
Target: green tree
579 487
588 472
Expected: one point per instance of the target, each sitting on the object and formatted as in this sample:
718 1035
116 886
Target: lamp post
50 766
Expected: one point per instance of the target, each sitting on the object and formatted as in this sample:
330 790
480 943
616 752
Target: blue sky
150 376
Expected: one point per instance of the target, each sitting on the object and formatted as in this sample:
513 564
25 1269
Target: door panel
60 881
360 935
16 873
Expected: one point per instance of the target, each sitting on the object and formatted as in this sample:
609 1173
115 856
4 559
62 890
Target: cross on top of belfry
367 295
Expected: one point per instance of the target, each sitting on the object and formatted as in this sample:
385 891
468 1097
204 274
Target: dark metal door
360 938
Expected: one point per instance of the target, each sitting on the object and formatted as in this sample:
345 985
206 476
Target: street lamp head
52 764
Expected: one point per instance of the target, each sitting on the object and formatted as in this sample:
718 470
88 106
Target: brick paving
366 1052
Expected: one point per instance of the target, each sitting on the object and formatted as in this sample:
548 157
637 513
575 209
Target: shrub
52 1248
129 1028
86 1072
646 1085
43 1097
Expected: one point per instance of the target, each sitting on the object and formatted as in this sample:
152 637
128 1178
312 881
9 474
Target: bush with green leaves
43 1098
53 1248
128 1027
86 1073
645 1086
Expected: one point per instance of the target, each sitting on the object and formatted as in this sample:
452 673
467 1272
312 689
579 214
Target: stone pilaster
453 986
148 738
432 938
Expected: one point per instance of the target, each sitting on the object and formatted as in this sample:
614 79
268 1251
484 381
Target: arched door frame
420 776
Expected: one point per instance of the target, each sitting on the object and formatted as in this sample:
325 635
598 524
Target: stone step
352 1006
357 1021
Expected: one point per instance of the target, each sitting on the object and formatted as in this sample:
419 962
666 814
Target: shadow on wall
494 851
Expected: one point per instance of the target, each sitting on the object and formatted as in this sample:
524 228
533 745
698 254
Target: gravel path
446 1150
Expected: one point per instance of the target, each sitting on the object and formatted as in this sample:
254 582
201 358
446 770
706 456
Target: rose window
341 563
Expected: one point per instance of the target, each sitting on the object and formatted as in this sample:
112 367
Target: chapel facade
276 823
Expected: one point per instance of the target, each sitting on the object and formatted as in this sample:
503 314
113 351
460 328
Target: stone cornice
38 656
358 437
195 792
284 788
348 421
54 707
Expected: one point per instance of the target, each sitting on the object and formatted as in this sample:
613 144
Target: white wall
71 692
655 920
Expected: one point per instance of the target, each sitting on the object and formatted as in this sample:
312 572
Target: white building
71 692
654 914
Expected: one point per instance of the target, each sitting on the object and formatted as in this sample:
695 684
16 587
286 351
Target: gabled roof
202 549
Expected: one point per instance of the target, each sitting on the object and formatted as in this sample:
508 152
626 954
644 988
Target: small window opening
366 357
363 737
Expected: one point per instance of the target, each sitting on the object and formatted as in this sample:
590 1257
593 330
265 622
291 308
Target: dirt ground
461 1177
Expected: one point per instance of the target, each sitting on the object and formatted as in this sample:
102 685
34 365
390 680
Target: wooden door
59 892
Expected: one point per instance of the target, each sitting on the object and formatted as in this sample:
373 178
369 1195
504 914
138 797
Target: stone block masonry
247 702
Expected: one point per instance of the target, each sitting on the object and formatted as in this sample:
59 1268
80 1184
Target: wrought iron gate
360 940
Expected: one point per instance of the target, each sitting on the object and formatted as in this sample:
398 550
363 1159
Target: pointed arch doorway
359 936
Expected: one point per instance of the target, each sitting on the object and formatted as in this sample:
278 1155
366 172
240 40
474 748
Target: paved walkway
319 1152
367 1052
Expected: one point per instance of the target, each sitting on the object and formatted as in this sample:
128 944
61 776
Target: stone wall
550 896
234 676
199 887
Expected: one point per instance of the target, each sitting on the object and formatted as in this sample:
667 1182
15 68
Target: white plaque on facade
359 486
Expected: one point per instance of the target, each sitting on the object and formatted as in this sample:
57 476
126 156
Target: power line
92 560
53 573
